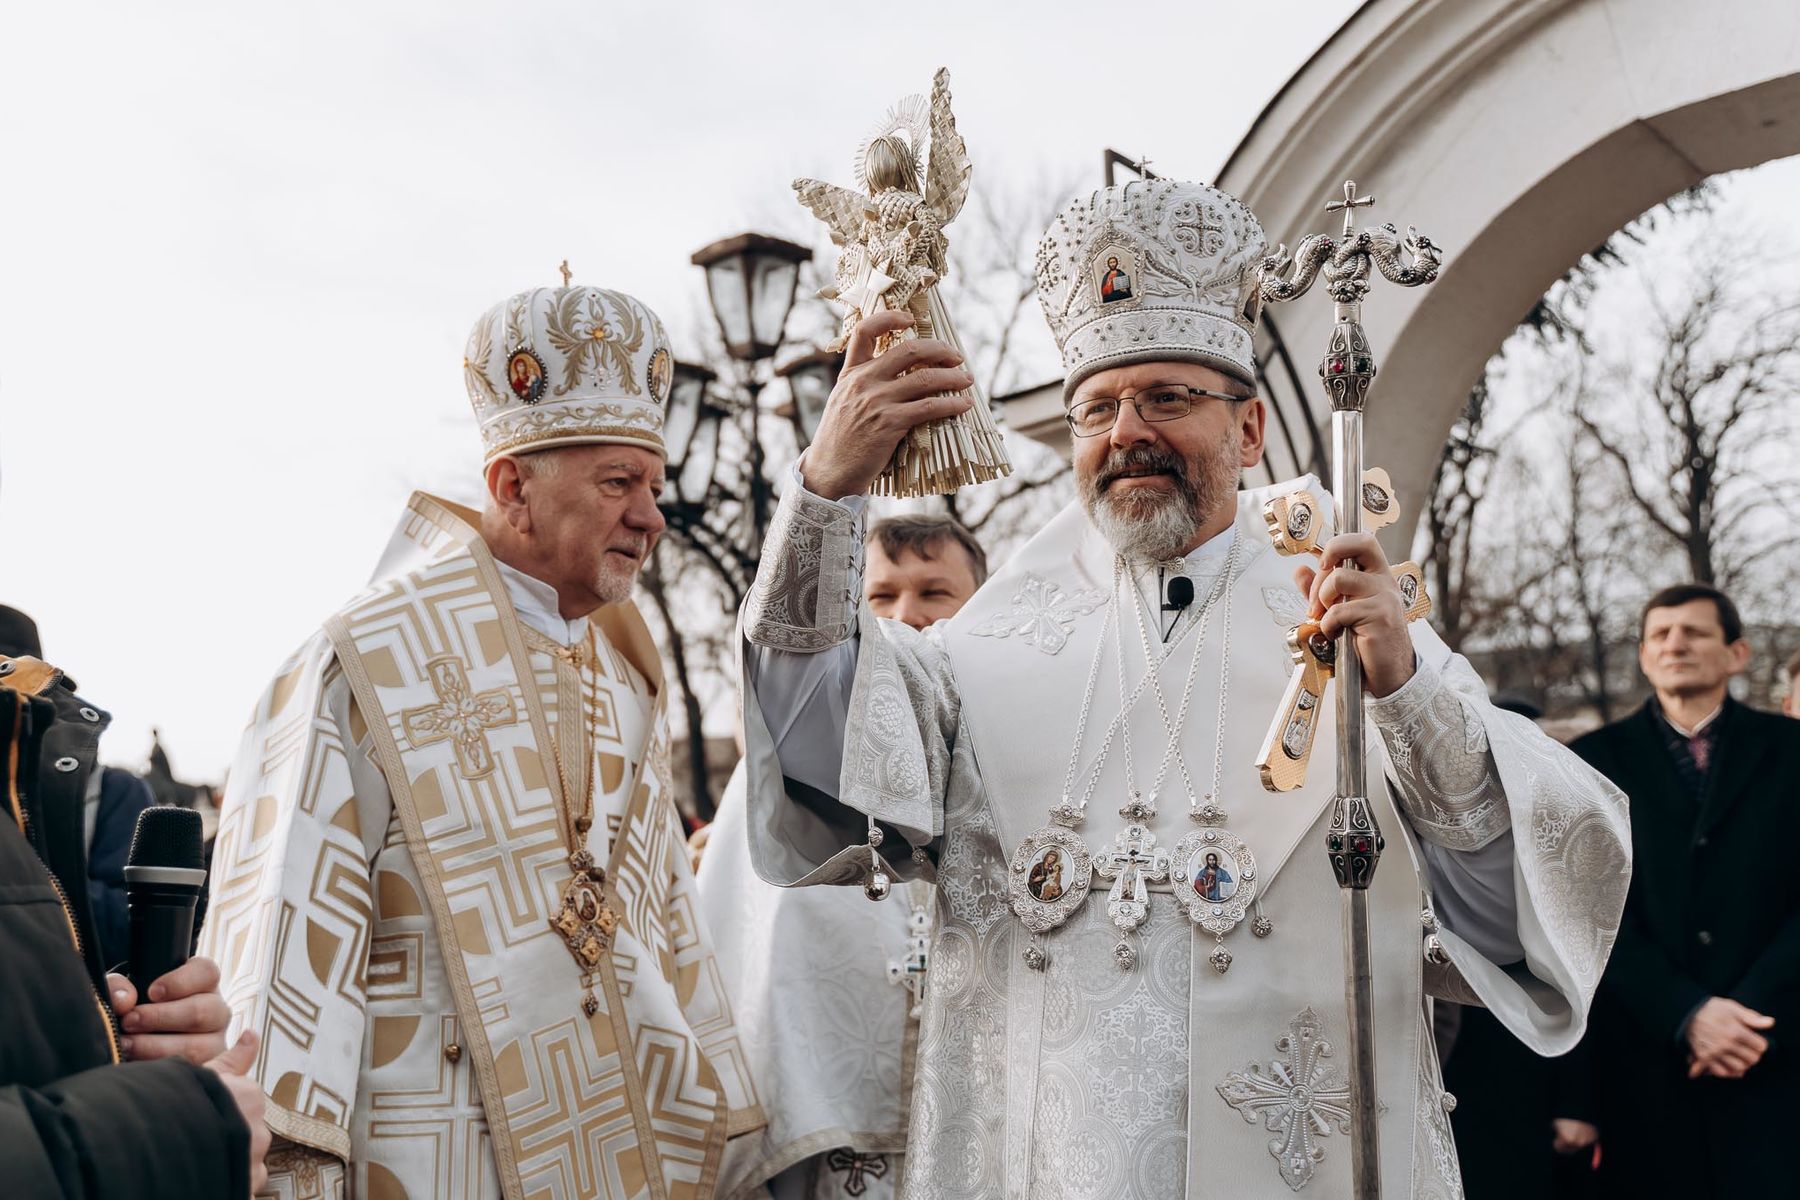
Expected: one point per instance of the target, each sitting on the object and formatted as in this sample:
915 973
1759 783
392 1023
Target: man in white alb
450 890
1112 1012
825 985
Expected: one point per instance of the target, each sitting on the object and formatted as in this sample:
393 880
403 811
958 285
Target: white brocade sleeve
1445 780
304 815
815 666
1526 849
800 630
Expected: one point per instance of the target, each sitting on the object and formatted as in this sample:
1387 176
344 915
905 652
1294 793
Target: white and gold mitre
1152 271
566 366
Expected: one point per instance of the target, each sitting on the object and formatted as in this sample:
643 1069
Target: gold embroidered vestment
388 862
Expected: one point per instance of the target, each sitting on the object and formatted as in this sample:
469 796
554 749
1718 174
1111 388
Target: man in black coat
1695 1035
75 1121
106 800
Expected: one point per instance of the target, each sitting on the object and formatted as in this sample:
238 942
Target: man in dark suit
1696 1029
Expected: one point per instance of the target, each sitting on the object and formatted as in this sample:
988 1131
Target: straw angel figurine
892 256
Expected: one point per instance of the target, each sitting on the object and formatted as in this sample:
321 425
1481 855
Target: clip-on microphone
1178 594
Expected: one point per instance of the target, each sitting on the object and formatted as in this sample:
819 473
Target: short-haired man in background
790 957
1703 988
922 569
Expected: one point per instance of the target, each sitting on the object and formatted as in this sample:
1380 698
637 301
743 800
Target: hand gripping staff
1353 843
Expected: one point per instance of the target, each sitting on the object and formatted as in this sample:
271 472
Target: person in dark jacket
1695 1037
108 799
116 797
76 1122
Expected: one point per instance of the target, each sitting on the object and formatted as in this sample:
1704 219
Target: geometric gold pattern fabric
388 859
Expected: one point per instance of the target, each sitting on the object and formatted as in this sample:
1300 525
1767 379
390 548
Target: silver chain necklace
1052 868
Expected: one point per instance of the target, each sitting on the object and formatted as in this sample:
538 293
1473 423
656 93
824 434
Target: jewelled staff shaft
1354 843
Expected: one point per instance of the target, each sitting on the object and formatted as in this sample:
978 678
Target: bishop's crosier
450 888
1078 777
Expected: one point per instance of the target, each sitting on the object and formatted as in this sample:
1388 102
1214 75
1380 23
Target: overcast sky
241 246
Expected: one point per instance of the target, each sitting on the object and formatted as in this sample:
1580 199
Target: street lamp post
750 282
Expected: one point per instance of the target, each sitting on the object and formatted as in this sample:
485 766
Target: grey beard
1156 527
614 587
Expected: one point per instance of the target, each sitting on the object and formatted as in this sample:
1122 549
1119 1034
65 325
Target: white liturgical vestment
817 980
1046 1069
389 857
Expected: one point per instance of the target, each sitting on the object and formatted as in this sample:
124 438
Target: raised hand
877 401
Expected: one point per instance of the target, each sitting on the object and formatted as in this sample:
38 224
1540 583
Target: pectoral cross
586 922
1135 862
1349 204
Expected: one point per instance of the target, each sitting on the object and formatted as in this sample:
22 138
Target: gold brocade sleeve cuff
804 598
1442 767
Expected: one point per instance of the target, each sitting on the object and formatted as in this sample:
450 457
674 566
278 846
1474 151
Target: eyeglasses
1159 402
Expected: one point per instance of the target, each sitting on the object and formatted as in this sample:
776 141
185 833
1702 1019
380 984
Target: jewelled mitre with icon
568 366
1152 271
912 176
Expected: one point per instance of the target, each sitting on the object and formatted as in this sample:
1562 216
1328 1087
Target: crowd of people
468 952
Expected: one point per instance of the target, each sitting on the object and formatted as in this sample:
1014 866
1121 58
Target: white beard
1155 526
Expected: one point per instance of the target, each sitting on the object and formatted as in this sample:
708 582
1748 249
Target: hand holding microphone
185 1015
182 1013
165 874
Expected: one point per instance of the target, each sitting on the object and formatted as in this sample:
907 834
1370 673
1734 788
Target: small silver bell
878 886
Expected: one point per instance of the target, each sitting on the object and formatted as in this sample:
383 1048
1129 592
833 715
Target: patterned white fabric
566 366
827 1037
389 856
1056 1082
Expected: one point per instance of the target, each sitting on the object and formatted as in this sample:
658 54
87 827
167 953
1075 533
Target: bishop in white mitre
450 888
1136 984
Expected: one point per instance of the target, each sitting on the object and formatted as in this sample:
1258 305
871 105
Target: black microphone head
168 837
1181 592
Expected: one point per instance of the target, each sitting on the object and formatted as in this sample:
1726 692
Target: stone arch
1518 134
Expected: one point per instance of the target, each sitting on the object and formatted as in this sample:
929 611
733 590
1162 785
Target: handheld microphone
165 872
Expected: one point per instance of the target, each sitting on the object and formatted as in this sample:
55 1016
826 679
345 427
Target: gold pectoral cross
585 922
